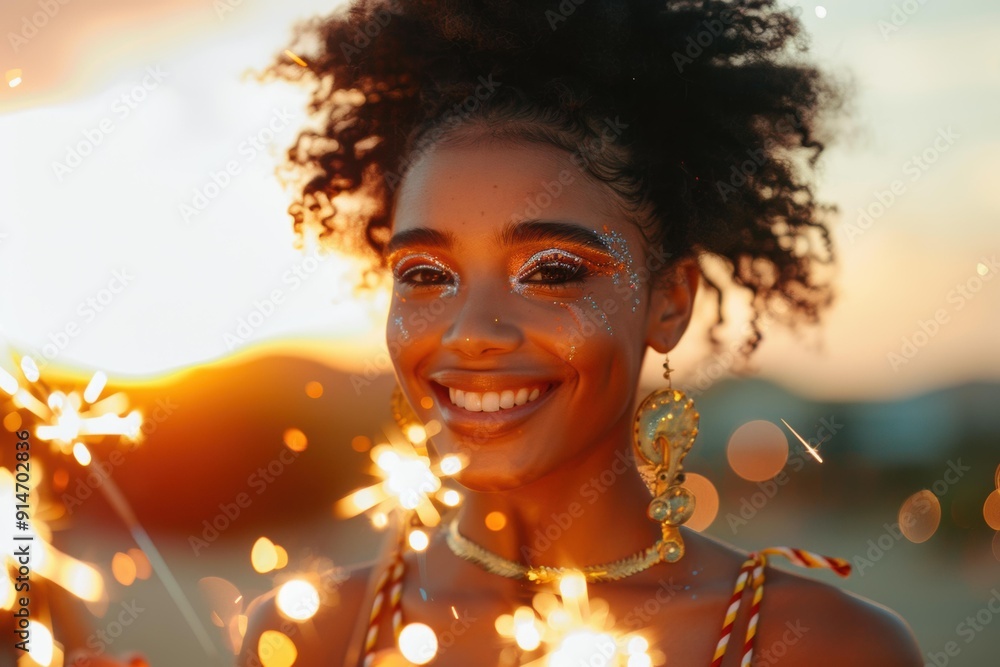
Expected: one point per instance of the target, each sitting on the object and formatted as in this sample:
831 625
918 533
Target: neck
590 511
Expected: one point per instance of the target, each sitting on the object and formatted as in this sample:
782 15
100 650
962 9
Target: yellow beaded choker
462 547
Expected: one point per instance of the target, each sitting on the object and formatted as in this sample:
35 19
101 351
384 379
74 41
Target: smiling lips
494 401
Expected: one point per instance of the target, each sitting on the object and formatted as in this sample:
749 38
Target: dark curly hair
719 124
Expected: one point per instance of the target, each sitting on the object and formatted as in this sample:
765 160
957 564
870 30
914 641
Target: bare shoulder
321 640
814 623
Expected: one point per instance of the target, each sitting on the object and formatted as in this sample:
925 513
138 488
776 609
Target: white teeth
506 399
521 397
492 401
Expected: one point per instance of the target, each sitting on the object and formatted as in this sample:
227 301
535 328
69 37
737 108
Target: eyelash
574 270
558 259
407 276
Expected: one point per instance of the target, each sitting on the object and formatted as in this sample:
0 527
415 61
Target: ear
671 307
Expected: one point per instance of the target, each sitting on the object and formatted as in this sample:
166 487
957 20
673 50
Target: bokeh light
314 389
418 643
361 443
143 569
991 510
757 450
496 521
123 568
263 555
418 540
920 516
706 505
276 649
298 600
12 421
451 497
295 440
13 77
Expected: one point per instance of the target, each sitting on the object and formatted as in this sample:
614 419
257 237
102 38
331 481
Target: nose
482 326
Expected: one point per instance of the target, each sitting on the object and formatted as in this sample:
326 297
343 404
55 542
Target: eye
553 267
423 274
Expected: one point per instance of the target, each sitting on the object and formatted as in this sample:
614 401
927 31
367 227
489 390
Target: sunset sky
102 267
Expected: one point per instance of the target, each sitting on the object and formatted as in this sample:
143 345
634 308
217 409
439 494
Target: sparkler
68 421
409 482
814 452
572 630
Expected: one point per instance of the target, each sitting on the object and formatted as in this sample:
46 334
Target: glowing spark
13 77
805 444
450 464
418 540
418 643
298 600
454 612
95 387
573 631
81 453
63 419
41 643
296 58
7 382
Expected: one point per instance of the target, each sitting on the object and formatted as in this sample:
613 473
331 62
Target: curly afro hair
719 123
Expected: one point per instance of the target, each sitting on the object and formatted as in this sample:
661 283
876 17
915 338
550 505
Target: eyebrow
513 233
419 236
539 231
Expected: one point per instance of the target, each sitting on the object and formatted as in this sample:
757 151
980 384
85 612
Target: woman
548 185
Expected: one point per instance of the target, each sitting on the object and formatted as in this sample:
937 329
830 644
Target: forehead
476 189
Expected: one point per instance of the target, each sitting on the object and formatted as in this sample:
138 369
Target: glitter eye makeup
567 266
619 249
408 270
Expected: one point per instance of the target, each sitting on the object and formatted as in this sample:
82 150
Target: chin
493 468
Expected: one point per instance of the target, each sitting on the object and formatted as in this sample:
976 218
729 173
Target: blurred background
143 235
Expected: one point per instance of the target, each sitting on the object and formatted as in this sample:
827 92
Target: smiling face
521 307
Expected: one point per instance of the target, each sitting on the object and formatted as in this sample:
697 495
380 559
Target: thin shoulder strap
387 573
752 570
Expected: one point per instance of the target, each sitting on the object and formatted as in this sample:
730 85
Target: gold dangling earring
666 425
